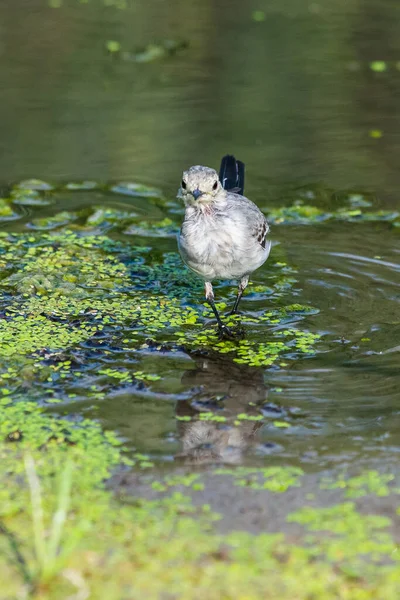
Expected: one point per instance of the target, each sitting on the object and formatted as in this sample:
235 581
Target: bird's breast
212 248
207 238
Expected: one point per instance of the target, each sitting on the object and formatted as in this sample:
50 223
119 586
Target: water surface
295 97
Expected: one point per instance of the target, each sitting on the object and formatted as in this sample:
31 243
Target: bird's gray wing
247 215
256 222
260 230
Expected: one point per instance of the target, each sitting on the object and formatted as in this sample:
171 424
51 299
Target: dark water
294 96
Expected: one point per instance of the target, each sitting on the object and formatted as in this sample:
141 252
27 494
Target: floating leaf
379 66
375 133
113 46
136 190
281 424
258 16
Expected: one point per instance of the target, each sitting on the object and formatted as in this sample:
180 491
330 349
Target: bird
224 234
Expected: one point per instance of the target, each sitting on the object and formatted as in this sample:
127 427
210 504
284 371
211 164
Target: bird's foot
226 333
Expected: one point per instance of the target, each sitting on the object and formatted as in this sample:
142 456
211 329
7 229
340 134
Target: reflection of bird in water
220 388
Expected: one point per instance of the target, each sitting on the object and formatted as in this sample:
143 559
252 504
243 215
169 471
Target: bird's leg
223 329
242 286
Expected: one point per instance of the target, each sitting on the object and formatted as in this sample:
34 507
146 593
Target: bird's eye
183 184
215 185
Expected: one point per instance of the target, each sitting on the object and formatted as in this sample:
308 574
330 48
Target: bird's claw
224 333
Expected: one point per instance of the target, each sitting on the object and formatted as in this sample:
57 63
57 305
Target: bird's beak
196 194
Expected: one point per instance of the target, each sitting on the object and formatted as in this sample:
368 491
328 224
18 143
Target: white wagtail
223 235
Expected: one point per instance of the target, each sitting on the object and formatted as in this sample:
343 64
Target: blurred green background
299 90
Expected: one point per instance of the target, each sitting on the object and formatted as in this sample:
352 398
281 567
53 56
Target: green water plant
50 553
306 214
274 479
367 482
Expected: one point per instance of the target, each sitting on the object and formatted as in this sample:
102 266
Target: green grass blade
37 512
60 516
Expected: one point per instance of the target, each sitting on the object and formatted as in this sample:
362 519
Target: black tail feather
231 174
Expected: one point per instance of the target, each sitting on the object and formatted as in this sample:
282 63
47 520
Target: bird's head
199 186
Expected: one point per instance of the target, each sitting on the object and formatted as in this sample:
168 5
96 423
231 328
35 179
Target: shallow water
294 97
343 401
340 405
